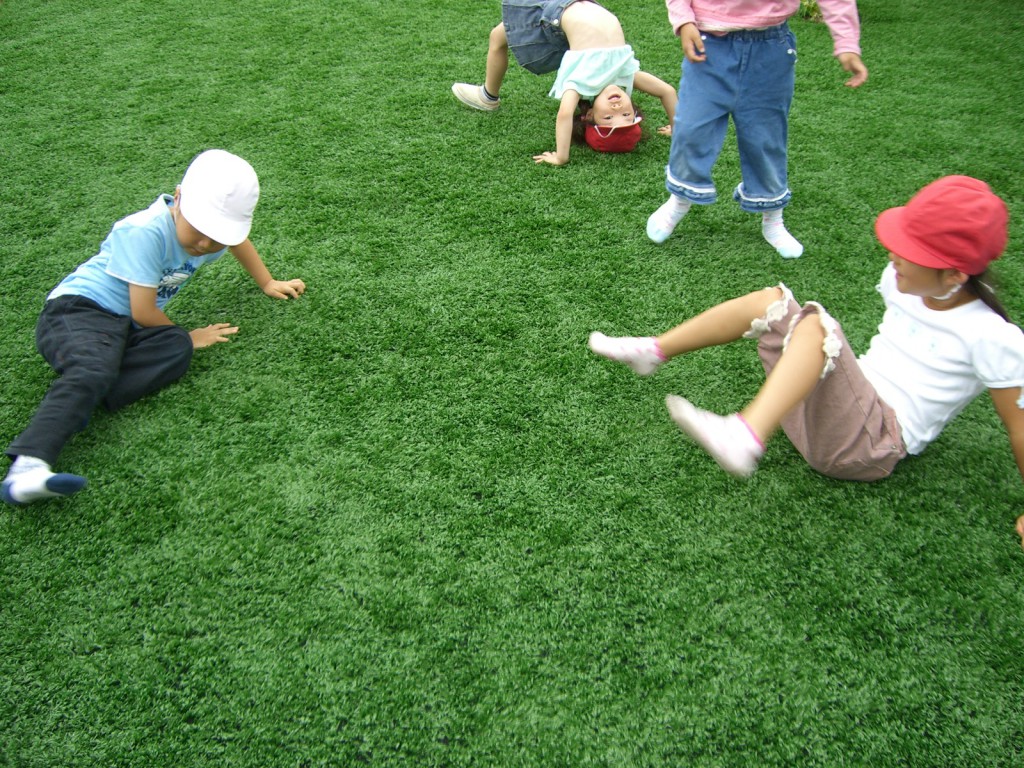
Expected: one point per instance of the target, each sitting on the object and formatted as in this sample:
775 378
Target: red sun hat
605 139
955 222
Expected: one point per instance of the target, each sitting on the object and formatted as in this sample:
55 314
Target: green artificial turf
409 519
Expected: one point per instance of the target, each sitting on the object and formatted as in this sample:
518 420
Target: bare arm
147 314
1005 401
563 131
249 258
654 86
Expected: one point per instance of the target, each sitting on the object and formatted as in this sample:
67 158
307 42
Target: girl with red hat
943 340
597 72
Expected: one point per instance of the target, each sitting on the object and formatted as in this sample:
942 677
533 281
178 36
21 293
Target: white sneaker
727 439
38 483
473 96
639 353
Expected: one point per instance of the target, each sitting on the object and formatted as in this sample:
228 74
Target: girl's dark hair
982 287
579 125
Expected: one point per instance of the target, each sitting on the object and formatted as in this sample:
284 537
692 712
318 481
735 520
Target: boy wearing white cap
103 328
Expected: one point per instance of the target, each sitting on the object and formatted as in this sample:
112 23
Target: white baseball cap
218 195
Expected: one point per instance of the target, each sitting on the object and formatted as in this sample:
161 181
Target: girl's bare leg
794 376
721 324
497 60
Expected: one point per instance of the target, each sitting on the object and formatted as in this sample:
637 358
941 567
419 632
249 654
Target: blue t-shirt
141 249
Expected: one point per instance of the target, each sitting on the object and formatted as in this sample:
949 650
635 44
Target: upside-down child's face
613 108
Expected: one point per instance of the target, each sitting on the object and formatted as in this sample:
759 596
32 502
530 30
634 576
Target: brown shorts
843 428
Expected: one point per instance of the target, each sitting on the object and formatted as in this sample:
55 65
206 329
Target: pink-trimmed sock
641 353
774 231
729 440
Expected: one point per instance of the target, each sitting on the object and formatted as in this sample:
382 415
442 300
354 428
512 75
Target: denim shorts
534 32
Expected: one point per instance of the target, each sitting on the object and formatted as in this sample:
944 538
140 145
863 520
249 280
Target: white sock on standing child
775 232
661 223
30 479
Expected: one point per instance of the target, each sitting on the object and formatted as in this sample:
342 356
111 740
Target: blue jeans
101 358
749 76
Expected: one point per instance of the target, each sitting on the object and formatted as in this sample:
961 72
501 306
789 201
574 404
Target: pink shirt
727 15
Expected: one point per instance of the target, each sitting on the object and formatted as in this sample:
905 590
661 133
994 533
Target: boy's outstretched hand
284 289
212 334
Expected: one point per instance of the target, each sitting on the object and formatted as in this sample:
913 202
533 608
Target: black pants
100 358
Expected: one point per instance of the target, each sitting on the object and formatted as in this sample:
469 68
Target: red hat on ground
605 139
955 222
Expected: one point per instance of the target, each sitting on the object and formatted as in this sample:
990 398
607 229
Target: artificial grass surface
409 518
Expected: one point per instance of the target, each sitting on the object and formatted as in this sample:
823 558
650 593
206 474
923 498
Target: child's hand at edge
284 289
1020 529
551 158
212 334
853 64
692 43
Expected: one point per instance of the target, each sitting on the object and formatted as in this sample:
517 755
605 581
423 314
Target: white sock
30 479
661 223
775 232
728 439
642 353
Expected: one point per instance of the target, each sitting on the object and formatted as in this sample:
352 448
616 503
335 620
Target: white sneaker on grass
473 96
727 439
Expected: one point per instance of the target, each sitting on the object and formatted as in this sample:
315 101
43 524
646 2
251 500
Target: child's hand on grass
284 289
551 158
1020 529
665 130
212 334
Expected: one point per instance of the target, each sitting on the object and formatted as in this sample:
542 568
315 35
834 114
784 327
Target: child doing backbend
739 60
944 338
597 72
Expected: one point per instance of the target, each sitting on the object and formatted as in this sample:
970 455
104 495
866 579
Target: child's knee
180 349
498 40
769 306
808 329
814 326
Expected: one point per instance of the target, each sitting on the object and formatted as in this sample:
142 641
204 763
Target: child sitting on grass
597 72
944 338
103 328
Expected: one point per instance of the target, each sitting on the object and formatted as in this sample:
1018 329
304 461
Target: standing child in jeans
739 59
597 72
103 328
943 340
